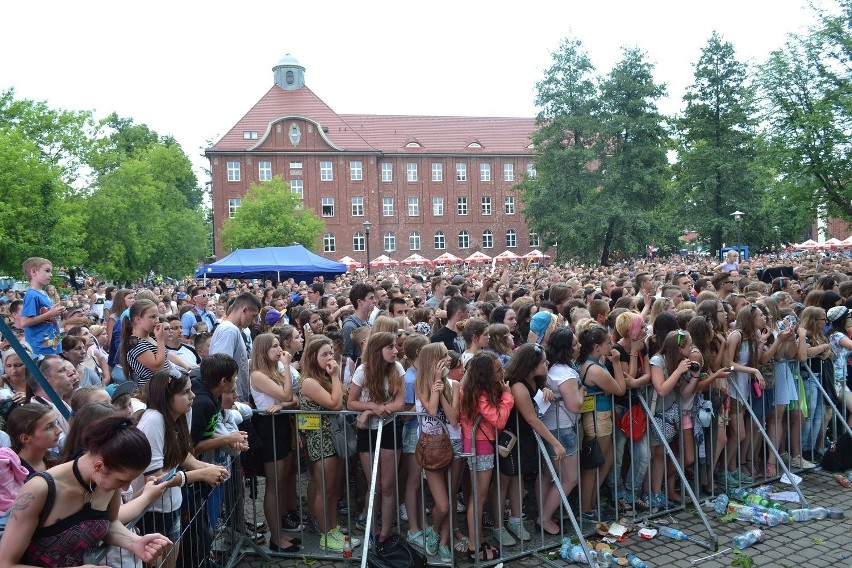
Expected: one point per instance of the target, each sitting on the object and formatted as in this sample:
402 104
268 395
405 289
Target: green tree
806 89
271 215
634 168
714 175
567 141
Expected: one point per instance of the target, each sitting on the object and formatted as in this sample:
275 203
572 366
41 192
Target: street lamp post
738 217
777 238
367 226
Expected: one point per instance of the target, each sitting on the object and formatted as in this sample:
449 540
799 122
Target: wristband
183 478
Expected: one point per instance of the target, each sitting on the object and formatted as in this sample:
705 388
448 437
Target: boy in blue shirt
39 317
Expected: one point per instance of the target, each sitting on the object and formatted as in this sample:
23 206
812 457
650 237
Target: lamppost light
367 226
738 216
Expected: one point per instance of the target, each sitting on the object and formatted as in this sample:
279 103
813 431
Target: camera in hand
694 367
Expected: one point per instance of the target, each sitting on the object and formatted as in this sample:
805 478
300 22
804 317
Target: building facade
426 184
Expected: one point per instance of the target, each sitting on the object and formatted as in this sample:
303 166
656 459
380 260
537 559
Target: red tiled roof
386 133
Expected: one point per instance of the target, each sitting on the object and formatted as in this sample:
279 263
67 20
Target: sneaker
744 478
403 513
799 462
658 502
361 523
460 506
353 542
417 539
785 456
731 478
445 553
431 542
502 536
332 540
641 504
626 508
487 521
517 528
342 507
589 516
291 522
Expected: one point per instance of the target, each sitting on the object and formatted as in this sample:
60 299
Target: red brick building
427 184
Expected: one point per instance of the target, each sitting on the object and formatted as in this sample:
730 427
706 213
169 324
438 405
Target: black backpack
838 457
395 552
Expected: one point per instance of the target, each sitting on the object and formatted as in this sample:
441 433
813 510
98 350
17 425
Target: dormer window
249 134
413 145
474 145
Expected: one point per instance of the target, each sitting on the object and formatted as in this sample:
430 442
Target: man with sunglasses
198 297
723 284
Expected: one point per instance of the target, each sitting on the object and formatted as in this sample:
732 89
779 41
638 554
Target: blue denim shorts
568 438
409 438
457 447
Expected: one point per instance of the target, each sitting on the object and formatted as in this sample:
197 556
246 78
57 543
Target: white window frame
329 243
461 205
535 240
509 204
437 171
356 170
531 170
487 239
327 202
511 237
414 241
440 240
485 171
461 171
234 203
233 171
485 205
358 206
327 171
387 171
413 206
508 171
297 186
264 171
389 242
249 134
464 239
359 243
387 207
438 206
411 171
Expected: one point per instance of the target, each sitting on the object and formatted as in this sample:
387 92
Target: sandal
771 470
486 552
842 480
461 544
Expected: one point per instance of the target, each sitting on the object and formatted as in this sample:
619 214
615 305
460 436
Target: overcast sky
192 70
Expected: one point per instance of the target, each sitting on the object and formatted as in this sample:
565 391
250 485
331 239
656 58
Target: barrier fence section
300 492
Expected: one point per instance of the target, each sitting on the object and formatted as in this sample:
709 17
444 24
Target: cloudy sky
192 70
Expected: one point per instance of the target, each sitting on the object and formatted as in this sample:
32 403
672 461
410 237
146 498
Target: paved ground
812 544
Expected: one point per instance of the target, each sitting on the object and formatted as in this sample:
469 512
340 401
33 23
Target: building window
509 204
487 240
440 241
357 206
390 242
387 206
249 134
464 240
413 206
414 241
486 205
328 244
233 204
328 207
461 205
387 171
438 206
411 171
356 171
295 168
264 171
461 171
297 186
511 238
233 171
437 171
508 171
531 170
326 172
358 242
534 240
485 172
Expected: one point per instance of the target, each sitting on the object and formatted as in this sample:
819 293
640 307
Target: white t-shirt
557 415
154 428
358 378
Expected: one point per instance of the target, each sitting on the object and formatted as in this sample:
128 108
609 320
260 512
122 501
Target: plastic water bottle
577 555
673 533
759 517
800 515
347 548
635 562
748 538
746 512
605 559
720 505
819 513
565 549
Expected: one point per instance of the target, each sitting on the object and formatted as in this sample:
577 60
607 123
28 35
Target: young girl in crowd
475 334
500 342
437 398
322 390
485 394
140 357
378 391
272 389
33 431
815 349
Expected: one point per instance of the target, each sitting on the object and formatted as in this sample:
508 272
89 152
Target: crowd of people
198 373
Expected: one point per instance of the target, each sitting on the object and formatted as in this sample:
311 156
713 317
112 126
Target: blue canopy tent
276 263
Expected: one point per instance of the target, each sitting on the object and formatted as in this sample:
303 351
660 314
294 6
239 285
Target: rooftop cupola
289 75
